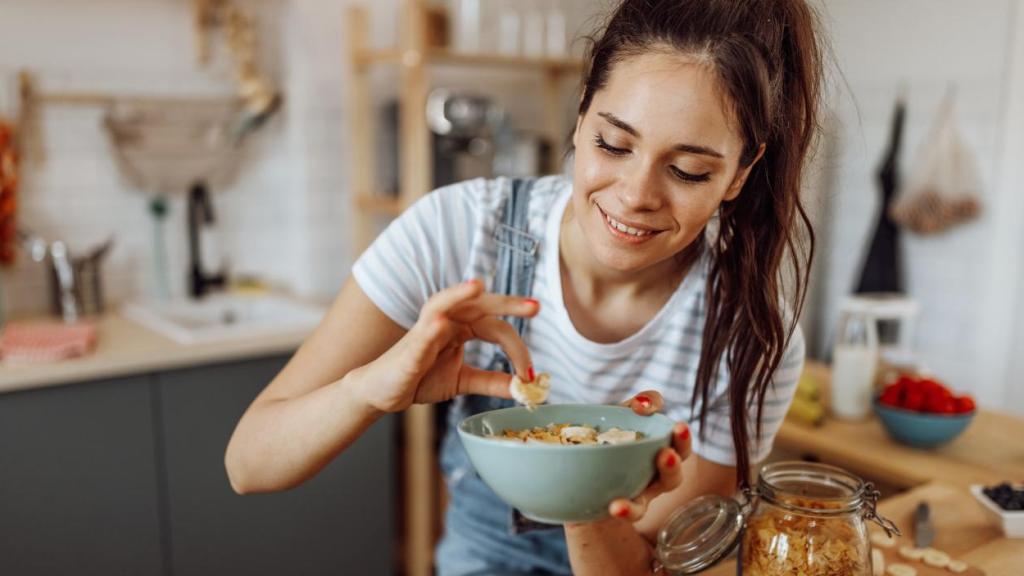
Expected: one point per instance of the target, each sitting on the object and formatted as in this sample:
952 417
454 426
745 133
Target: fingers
681 440
446 300
646 403
670 476
503 334
626 509
484 382
488 304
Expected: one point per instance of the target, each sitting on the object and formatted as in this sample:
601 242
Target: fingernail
471 281
623 512
532 301
684 433
644 401
530 373
670 461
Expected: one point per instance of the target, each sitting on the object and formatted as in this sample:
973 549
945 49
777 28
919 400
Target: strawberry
964 404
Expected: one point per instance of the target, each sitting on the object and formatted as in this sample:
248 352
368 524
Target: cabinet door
339 522
78 480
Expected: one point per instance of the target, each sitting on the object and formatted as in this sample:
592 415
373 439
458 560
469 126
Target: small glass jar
801 518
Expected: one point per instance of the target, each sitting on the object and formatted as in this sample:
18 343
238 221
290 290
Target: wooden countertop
125 348
987 452
962 529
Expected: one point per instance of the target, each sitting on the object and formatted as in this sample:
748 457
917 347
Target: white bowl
1012 523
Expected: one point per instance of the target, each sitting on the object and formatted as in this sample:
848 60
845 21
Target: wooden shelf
445 57
384 205
415 61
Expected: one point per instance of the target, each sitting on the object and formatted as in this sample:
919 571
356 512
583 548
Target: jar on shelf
800 518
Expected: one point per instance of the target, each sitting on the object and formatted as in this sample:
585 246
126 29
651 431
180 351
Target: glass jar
801 518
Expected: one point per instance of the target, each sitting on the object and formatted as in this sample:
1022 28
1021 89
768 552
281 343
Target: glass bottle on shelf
533 30
854 362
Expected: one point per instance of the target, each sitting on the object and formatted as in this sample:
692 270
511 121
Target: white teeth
627 229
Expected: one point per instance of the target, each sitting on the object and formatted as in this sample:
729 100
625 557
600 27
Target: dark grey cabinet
127 476
339 522
78 480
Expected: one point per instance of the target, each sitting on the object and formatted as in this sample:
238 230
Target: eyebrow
689 148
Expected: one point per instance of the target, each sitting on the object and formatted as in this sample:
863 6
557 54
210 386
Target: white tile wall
286 218
924 46
75 192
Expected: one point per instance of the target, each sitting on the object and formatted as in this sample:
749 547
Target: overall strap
517 248
517 255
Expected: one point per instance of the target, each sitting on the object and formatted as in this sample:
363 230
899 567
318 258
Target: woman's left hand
668 461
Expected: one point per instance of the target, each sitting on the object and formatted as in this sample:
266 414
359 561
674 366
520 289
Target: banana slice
883 540
901 570
911 553
957 566
579 435
877 563
530 394
936 558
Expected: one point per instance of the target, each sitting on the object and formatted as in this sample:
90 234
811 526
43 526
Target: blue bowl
920 429
556 483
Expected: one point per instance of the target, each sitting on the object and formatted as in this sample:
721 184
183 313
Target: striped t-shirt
447 237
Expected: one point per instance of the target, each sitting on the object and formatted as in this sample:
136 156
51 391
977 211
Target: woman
655 274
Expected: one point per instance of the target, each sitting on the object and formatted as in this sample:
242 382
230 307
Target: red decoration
8 193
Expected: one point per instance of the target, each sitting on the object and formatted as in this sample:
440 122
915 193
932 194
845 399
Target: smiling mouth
626 230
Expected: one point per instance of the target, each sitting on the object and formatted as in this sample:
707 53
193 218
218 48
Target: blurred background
188 182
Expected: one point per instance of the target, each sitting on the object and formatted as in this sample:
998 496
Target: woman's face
656 153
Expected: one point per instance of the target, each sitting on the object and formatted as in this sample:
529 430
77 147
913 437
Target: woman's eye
602 144
689 177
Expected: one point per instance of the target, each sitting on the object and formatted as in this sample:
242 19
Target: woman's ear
741 176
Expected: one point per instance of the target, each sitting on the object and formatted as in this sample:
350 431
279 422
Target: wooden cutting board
961 525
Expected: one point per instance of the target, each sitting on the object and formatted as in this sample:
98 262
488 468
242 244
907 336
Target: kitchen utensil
75 281
562 483
924 530
65 284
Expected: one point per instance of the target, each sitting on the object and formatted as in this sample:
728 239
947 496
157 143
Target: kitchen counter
124 348
987 452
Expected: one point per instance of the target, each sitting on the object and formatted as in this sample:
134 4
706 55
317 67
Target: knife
924 531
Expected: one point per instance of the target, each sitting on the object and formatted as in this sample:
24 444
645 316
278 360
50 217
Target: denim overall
483 535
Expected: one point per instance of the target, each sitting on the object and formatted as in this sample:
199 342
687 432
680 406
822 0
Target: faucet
200 206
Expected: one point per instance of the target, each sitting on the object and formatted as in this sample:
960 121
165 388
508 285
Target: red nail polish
670 461
471 281
531 374
623 512
644 400
533 301
685 433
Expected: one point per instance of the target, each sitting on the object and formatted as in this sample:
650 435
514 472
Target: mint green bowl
555 483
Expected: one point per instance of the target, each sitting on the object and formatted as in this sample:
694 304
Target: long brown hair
767 57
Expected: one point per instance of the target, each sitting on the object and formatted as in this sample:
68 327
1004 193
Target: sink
224 317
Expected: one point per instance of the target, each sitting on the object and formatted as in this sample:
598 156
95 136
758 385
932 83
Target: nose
641 190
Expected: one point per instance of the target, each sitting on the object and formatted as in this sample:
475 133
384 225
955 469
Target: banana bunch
807 406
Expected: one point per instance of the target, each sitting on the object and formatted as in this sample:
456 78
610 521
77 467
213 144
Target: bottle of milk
854 361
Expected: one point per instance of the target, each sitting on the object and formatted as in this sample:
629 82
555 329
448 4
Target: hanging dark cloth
883 270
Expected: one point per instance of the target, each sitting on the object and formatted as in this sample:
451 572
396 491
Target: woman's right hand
426 365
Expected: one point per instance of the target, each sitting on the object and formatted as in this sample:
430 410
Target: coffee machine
463 127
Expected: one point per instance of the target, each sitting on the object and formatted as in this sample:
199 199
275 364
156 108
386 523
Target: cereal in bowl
570 434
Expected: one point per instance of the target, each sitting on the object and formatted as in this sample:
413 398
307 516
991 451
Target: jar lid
699 534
